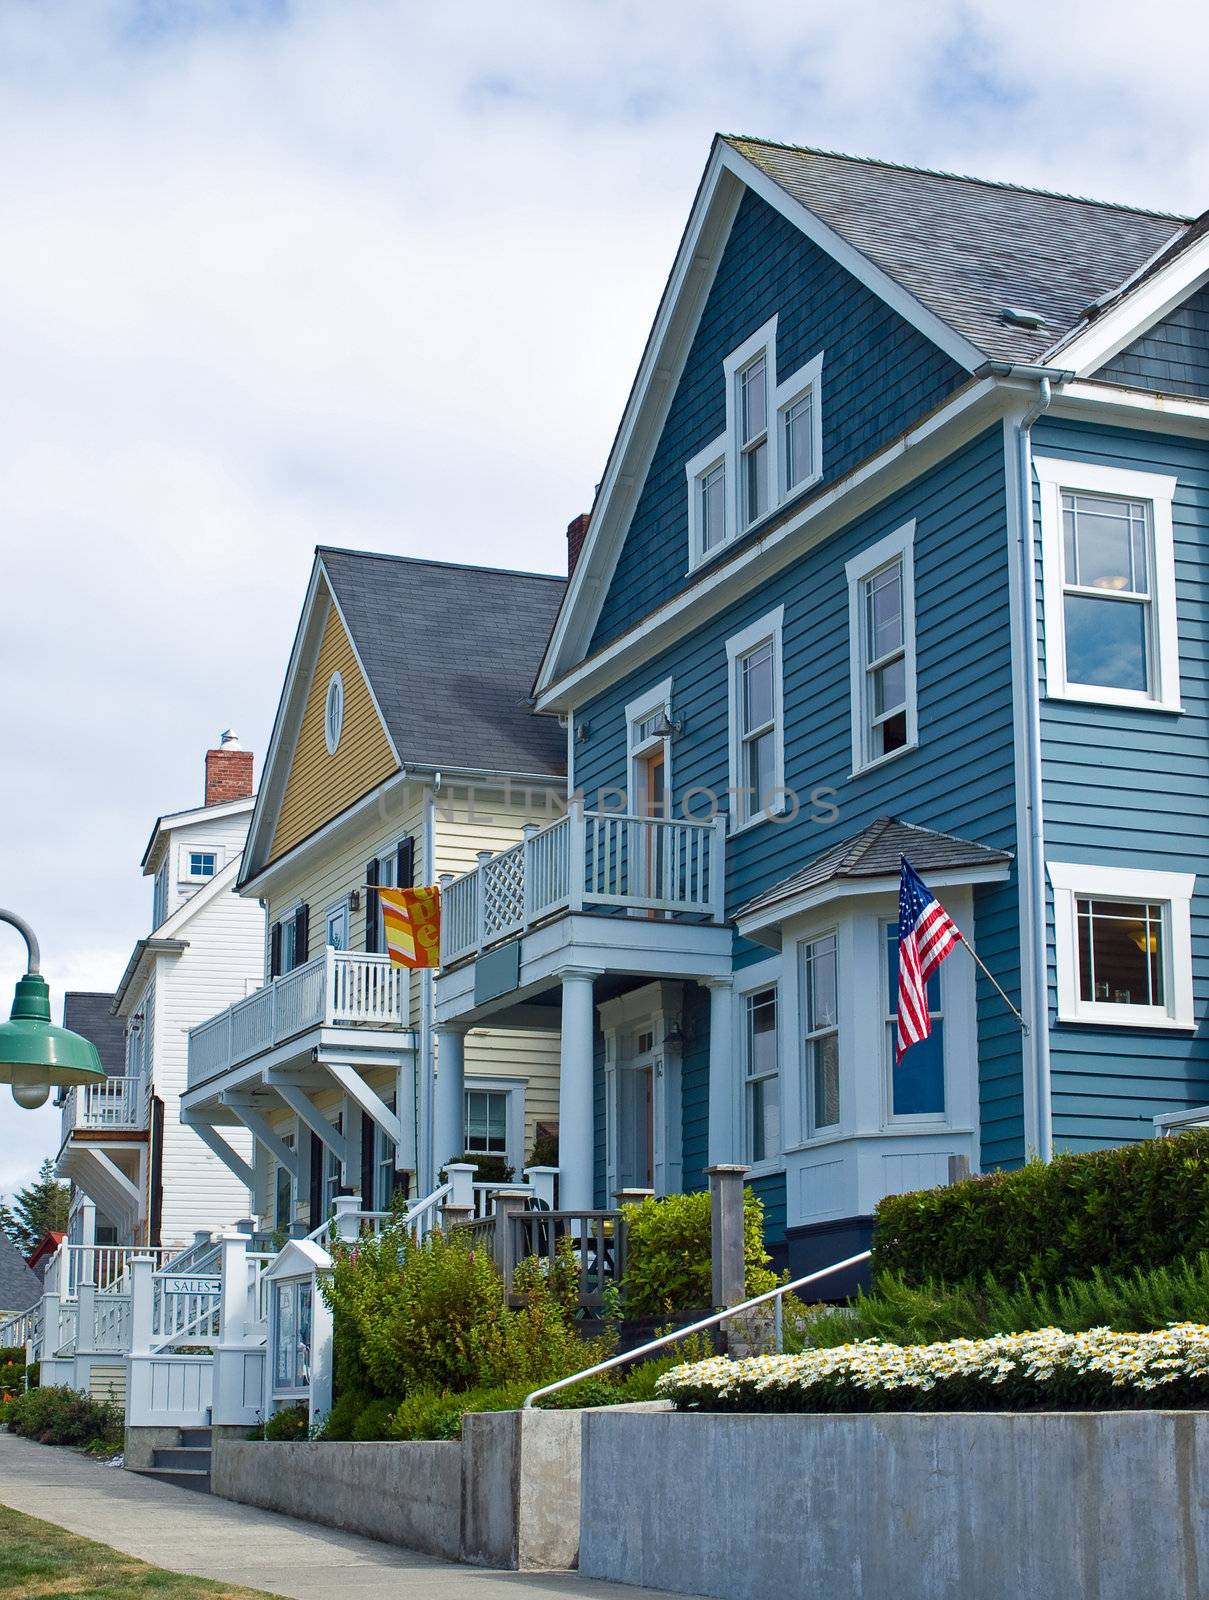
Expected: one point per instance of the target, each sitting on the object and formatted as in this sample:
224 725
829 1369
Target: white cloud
379 274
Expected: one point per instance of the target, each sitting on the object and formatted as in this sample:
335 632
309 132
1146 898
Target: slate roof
875 852
966 248
87 1012
451 653
19 1287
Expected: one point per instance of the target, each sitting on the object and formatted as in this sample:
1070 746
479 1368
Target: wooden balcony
338 989
587 860
118 1105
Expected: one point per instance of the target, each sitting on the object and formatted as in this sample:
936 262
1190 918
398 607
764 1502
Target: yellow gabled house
404 747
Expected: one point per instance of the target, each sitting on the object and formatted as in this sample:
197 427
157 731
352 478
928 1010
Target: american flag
926 935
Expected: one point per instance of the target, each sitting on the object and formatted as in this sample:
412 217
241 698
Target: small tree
38 1209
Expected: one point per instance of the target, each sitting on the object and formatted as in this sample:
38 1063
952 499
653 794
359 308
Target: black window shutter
302 920
405 863
275 950
371 907
367 1163
316 1183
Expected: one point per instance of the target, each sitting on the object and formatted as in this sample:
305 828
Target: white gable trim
1090 347
726 175
320 600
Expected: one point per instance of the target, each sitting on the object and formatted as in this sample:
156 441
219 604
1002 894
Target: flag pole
984 969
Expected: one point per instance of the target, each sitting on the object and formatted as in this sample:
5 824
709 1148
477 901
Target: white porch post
448 1121
723 1130
575 1110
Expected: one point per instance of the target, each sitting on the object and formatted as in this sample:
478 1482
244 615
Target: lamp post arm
27 933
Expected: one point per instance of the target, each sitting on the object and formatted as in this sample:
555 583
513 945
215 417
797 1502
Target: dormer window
202 863
771 451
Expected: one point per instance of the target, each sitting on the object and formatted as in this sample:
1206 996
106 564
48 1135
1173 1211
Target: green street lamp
35 1055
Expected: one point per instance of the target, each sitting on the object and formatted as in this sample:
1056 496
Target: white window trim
763 975
186 850
514 1088
1172 890
1054 475
900 543
769 627
950 976
809 1131
637 711
332 741
343 907
725 450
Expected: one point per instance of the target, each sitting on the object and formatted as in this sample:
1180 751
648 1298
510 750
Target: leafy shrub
668 1263
60 1415
288 1424
425 1414
488 1168
908 1314
373 1420
432 1315
1142 1205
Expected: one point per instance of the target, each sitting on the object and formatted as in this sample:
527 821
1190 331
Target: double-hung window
762 1076
800 424
1109 584
754 452
757 754
917 1082
820 1015
881 617
386 1178
1123 945
487 1122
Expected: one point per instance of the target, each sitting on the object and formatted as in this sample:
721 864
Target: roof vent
1021 319
229 740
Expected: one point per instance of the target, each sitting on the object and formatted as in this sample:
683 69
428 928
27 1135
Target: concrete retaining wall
1113 1505
506 1496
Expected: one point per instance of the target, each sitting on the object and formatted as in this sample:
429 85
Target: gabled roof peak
738 140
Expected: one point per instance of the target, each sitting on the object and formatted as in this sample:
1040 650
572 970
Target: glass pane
892 977
890 734
821 988
497 1118
825 1072
799 442
765 1118
713 508
884 611
757 687
755 491
760 776
918 1081
1104 539
302 1371
1106 642
1120 948
754 407
762 1033
283 1346
890 687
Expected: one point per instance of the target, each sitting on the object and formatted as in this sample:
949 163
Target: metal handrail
776 1294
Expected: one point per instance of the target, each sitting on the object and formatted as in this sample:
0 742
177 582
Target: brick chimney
577 532
228 771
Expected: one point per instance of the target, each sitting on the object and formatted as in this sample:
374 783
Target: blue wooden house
900 548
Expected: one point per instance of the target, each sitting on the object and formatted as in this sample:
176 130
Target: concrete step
186 1459
179 1477
196 1438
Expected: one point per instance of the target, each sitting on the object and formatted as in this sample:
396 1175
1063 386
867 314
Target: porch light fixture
35 1056
663 727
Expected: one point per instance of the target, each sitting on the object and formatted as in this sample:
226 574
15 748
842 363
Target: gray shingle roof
451 653
87 1012
966 248
19 1287
875 852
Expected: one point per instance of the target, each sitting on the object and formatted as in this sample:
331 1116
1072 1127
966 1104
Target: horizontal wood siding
879 374
1172 357
960 779
1128 788
320 786
694 1088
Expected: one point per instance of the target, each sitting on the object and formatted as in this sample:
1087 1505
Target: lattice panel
503 887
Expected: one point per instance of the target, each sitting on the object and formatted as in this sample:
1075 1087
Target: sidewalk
213 1538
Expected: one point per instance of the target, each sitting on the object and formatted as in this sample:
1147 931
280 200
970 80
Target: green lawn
39 1559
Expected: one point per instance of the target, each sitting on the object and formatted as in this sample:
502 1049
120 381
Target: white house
141 1176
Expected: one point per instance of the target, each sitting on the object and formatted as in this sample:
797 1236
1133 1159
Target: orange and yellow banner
412 920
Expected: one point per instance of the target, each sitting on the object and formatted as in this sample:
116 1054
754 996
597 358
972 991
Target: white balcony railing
118 1103
340 988
586 859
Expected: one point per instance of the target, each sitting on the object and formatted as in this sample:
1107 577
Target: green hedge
1143 1205
668 1254
60 1415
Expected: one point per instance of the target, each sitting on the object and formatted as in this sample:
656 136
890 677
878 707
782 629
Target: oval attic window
333 719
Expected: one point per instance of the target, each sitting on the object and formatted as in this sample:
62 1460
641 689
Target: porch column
724 1140
449 1132
576 1141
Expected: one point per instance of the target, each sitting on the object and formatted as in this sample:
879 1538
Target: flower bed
1046 1370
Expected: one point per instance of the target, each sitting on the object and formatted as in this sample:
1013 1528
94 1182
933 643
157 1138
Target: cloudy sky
378 274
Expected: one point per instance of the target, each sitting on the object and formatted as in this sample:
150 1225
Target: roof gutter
155 947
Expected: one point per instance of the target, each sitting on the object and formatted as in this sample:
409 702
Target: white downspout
1033 774
424 1109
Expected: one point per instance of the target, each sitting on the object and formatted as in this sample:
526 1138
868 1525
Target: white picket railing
115 1103
338 988
586 859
